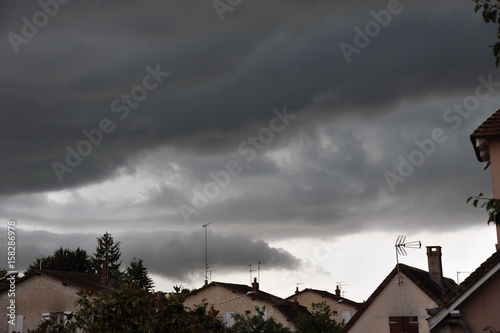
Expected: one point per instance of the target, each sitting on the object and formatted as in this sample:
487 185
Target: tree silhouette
107 251
63 260
136 272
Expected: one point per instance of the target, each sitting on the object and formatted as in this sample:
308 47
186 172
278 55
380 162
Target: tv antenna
400 246
258 270
212 270
340 285
205 226
250 272
459 272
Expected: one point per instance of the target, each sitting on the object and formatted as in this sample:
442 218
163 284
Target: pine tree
107 251
136 272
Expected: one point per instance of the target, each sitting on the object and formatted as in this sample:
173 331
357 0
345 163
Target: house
229 298
45 293
342 308
400 302
486 142
474 305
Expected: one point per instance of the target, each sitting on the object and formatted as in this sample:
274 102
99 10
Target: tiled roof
419 277
488 130
325 293
284 306
86 281
472 279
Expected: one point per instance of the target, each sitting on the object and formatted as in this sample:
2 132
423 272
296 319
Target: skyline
310 134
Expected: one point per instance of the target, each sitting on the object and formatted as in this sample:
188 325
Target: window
265 314
247 313
61 317
18 327
229 319
408 324
335 313
346 316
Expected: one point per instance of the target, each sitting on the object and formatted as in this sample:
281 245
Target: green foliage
63 260
131 309
491 13
256 324
136 272
319 321
107 251
492 206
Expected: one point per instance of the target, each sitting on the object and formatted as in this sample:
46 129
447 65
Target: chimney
435 265
295 304
296 290
337 292
104 274
255 285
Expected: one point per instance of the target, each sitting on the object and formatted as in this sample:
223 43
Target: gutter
458 321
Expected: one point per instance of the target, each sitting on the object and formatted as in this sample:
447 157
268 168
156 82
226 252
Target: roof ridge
61 271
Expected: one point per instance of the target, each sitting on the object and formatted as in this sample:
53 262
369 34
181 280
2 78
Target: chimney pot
104 274
295 303
337 292
255 285
435 265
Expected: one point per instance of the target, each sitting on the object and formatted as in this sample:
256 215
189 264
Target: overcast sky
309 133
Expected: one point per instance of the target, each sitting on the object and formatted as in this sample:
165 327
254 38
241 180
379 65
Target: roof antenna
250 272
400 250
459 272
258 270
205 226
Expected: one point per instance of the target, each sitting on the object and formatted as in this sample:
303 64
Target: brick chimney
435 265
255 285
337 291
295 304
104 274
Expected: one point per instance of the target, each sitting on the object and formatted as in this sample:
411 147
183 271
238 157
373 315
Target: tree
256 324
63 260
131 309
136 272
491 13
491 205
107 251
320 320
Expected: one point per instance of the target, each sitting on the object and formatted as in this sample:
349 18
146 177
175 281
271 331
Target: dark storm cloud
225 76
172 255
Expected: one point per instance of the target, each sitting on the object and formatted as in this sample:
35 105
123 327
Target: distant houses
342 308
230 299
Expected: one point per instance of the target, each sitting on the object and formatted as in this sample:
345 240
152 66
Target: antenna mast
258 269
400 250
250 272
205 226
